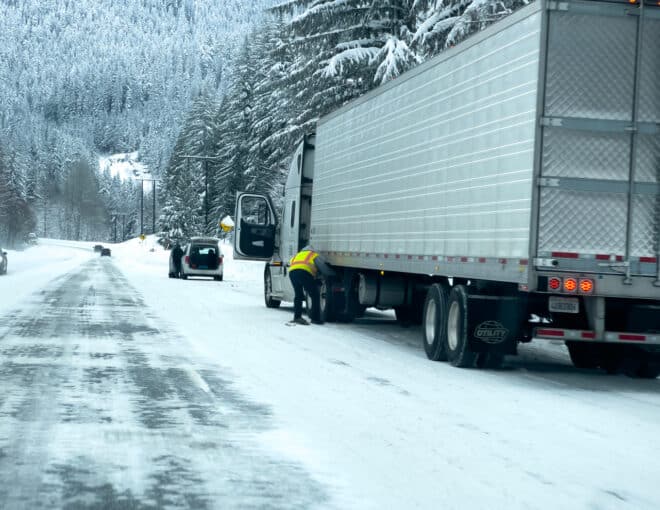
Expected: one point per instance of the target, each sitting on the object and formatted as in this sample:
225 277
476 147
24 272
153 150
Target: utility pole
206 160
206 192
45 215
153 219
153 211
141 207
115 214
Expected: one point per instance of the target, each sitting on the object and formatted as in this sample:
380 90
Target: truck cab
263 234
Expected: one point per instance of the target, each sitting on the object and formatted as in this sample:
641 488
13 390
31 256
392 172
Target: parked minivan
202 257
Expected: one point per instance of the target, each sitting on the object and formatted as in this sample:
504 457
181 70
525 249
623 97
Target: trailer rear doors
599 204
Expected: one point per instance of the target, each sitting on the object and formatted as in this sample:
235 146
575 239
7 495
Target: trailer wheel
434 322
611 358
583 355
641 364
457 345
648 370
268 291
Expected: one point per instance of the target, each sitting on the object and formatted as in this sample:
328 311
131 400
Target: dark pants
302 282
177 266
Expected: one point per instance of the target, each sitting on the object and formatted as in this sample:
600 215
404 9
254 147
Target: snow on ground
30 269
372 418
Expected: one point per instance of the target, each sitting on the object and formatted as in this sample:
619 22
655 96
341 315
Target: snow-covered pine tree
184 183
444 23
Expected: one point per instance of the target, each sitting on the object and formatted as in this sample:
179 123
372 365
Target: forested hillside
80 78
234 82
307 58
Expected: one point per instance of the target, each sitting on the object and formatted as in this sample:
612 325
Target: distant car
202 257
31 239
98 247
105 252
3 261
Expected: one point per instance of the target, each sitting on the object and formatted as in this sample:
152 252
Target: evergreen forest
213 96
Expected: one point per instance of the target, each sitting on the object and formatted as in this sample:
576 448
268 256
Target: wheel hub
452 326
429 325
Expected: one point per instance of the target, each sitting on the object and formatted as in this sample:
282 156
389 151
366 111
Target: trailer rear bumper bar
590 336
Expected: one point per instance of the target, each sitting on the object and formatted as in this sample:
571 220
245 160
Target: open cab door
256 222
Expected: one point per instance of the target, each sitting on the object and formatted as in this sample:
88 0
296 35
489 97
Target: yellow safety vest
304 260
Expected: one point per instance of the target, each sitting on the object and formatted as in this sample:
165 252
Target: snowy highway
122 388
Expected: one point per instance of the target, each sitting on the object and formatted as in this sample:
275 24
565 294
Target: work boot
301 321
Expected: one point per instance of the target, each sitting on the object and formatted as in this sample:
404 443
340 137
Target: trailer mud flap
494 323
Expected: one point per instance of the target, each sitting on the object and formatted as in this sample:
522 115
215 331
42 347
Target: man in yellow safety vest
303 268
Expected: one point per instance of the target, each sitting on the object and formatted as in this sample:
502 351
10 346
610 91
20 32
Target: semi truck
506 190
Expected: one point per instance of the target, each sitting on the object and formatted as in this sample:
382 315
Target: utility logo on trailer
491 332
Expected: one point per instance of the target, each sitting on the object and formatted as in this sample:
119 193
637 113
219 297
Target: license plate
564 304
203 267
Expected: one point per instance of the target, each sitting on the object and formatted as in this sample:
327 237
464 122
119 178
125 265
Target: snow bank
125 165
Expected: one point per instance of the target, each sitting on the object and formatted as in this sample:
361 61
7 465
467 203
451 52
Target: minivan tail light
219 261
187 259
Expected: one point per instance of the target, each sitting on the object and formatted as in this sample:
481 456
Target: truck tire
583 355
647 370
640 364
611 358
268 291
456 339
434 322
346 305
327 301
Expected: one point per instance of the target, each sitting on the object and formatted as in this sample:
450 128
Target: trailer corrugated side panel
440 162
595 144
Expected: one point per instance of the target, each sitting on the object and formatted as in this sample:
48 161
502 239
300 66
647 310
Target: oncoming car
3 261
105 252
202 257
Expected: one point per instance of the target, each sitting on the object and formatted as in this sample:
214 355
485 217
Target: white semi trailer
506 190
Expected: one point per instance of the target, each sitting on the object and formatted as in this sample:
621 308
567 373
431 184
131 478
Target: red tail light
187 259
219 261
554 283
